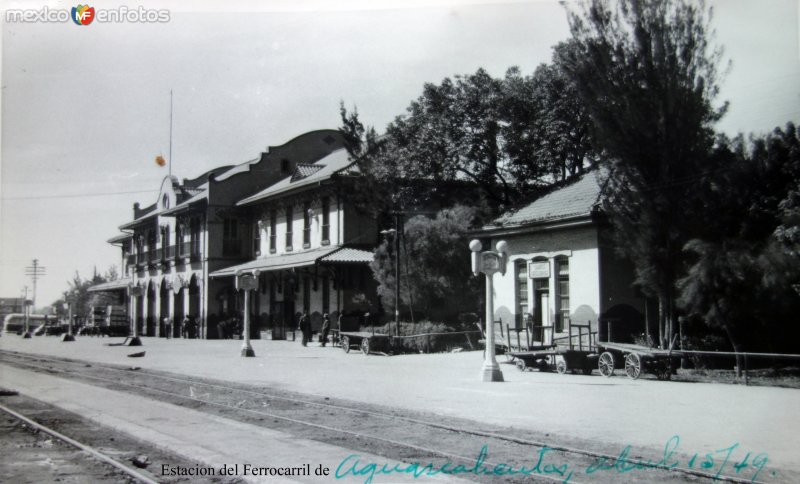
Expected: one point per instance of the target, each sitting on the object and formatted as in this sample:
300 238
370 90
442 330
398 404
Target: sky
85 109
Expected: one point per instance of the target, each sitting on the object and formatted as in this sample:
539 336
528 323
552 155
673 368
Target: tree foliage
503 135
647 75
740 277
435 278
79 296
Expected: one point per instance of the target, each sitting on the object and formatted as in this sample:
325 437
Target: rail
95 453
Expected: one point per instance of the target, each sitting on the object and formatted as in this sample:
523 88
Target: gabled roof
315 173
304 170
184 206
579 197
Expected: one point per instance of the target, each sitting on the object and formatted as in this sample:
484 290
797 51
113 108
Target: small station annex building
562 266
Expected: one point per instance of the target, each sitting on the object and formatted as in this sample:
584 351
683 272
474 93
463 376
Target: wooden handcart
571 357
636 359
367 342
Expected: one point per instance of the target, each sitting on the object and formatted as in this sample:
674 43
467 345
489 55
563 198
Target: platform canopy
111 285
324 255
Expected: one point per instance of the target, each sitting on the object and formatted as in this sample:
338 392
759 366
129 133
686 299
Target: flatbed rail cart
571 357
636 359
367 342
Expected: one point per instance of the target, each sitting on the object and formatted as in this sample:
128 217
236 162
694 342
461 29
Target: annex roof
577 198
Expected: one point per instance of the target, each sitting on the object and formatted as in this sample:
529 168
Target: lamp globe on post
68 335
489 263
247 282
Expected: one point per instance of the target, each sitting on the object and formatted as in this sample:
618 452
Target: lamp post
247 282
28 304
67 337
396 232
489 263
135 293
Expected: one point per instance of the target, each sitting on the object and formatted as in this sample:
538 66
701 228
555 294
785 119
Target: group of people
188 327
228 327
306 330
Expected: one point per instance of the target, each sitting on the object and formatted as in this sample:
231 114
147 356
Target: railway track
93 452
414 439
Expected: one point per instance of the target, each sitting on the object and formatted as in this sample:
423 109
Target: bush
423 343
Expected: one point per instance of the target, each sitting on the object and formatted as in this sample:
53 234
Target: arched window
562 298
522 307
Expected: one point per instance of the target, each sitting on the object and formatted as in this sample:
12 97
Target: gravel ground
28 455
595 412
280 410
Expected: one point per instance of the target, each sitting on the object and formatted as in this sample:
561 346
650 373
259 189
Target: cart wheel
561 367
633 366
346 344
521 366
365 346
606 364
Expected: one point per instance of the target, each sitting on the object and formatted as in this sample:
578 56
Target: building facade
194 228
311 250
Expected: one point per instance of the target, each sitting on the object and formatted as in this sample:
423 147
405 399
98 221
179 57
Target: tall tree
434 280
79 296
546 128
503 135
647 73
739 280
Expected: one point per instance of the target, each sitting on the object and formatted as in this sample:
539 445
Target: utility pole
35 272
26 334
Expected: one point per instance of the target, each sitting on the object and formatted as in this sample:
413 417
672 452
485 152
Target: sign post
247 283
135 293
489 263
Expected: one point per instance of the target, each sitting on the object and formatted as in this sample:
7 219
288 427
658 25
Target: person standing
305 328
326 327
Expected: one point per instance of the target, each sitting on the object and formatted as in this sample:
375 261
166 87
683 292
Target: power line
35 272
82 195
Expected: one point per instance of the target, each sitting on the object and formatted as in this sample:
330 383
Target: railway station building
311 249
195 228
562 266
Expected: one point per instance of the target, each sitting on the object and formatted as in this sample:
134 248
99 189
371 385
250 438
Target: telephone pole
35 272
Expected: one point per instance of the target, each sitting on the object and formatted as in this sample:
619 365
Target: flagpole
170 133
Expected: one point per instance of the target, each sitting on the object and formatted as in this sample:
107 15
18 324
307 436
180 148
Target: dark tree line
712 225
502 135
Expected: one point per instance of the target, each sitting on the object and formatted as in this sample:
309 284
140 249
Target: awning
323 255
119 238
111 286
348 255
